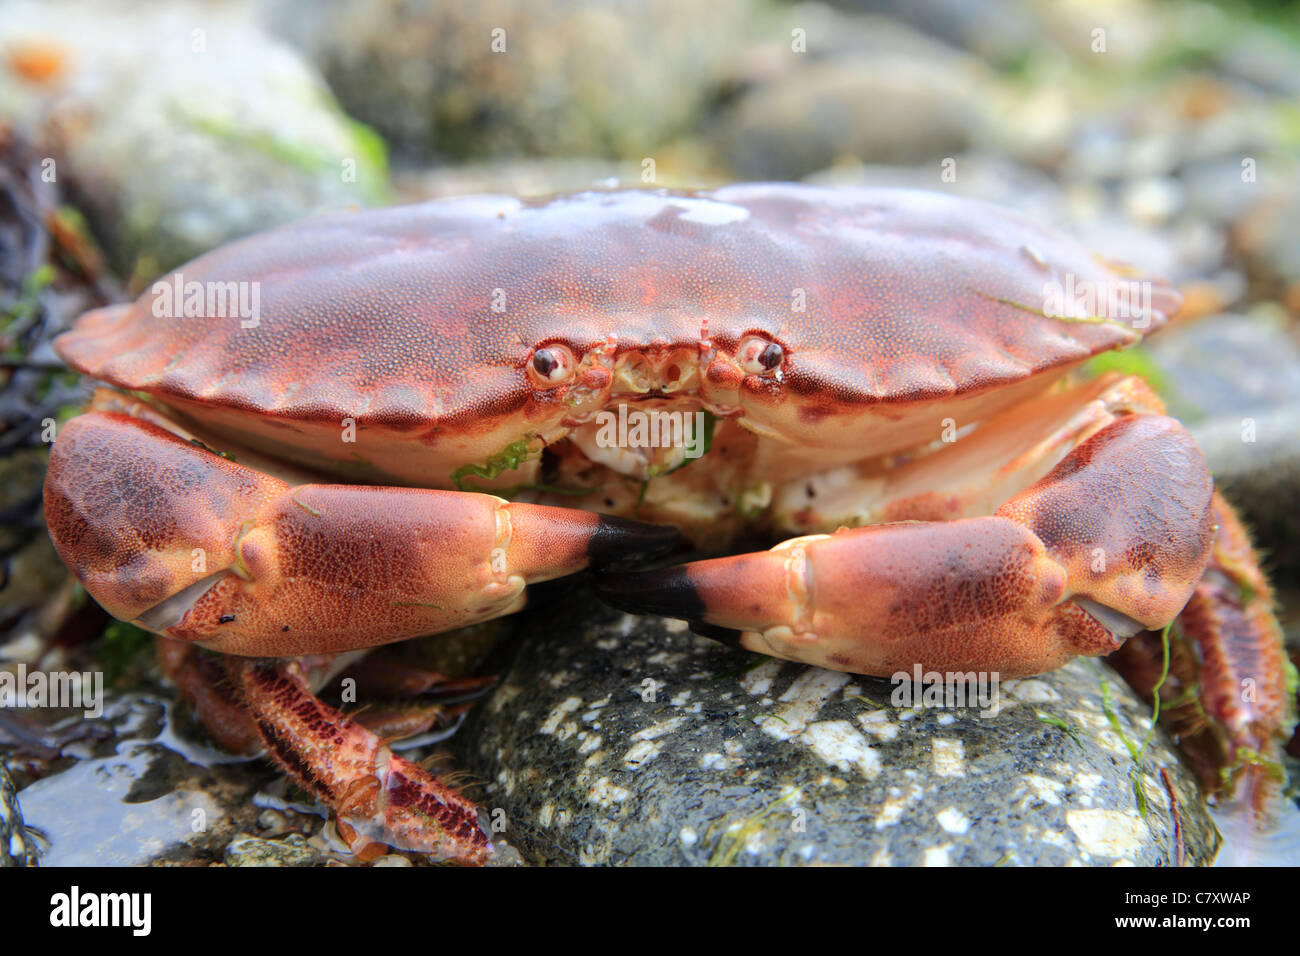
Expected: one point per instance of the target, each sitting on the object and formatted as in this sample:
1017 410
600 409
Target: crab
411 423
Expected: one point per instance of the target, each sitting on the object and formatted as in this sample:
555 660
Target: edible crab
411 423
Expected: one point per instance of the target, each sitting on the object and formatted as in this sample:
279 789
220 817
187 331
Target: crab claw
1111 541
191 545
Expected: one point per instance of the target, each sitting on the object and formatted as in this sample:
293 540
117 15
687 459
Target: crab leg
1112 540
379 798
202 681
190 545
1229 689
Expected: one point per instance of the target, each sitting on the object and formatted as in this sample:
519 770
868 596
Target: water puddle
119 810
84 816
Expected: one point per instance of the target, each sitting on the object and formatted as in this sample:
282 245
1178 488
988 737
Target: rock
1266 58
965 23
744 760
828 33
183 126
30 571
1269 237
1230 365
883 107
514 177
1216 190
507 77
1235 380
1135 33
292 850
15 842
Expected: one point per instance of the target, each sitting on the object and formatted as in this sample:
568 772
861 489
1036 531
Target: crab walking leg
186 543
1110 541
970 477
1227 647
202 681
380 799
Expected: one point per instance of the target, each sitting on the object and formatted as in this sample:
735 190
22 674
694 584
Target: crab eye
759 356
551 365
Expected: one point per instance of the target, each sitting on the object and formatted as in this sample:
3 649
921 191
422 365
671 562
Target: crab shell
892 309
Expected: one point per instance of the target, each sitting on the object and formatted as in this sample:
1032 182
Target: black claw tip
623 541
668 591
723 635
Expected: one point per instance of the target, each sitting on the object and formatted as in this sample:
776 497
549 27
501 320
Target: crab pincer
202 549
1113 540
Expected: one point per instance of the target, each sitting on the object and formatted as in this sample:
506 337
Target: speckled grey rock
743 760
292 850
1236 381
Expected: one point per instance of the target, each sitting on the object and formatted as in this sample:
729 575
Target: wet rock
508 77
16 847
1235 380
142 784
293 850
622 740
115 829
182 125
